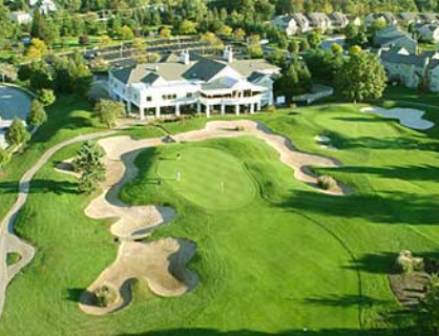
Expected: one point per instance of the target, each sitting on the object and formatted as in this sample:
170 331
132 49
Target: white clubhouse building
190 83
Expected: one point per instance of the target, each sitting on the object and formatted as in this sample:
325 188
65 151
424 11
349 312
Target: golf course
274 254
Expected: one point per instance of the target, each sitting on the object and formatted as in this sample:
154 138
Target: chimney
185 57
228 54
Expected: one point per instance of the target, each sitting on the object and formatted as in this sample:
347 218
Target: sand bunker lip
163 263
411 118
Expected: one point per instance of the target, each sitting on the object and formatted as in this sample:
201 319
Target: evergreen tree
17 133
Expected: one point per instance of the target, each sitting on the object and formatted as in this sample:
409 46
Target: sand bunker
67 167
163 263
408 117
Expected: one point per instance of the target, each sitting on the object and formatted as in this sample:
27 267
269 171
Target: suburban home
408 18
45 6
391 37
390 18
320 21
387 17
194 83
428 18
412 70
302 22
338 20
21 17
428 32
286 24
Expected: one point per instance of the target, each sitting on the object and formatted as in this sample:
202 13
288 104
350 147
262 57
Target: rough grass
290 259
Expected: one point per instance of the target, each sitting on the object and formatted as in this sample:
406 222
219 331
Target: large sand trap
408 117
163 263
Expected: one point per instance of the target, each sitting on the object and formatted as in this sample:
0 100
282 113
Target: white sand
408 117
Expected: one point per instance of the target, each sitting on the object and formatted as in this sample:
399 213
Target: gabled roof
204 70
393 57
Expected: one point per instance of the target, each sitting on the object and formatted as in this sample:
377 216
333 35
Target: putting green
207 177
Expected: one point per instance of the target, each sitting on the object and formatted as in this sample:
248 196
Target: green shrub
326 182
105 296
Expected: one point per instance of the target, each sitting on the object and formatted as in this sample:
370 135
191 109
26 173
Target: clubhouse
191 83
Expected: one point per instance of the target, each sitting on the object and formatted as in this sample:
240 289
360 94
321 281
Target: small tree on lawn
361 77
427 315
108 111
4 158
37 115
46 97
88 164
17 133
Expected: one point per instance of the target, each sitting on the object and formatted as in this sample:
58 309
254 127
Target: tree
46 97
37 115
427 314
211 39
314 39
254 47
17 133
108 111
105 41
239 34
4 157
8 71
225 31
361 77
295 79
125 33
187 27
37 49
165 33
88 164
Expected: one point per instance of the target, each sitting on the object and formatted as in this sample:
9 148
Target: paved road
11 243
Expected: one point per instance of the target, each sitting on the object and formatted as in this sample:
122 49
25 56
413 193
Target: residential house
428 18
392 37
390 18
302 22
408 18
412 70
44 6
205 85
338 20
320 21
387 17
428 32
21 17
286 24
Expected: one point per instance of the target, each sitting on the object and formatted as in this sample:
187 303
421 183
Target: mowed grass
291 261
207 177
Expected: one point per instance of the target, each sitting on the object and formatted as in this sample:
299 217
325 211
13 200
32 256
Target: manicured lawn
286 259
206 177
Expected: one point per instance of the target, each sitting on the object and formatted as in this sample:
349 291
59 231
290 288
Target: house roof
202 68
394 57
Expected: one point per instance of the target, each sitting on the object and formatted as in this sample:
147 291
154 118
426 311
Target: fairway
207 177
